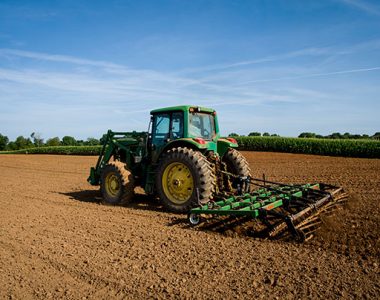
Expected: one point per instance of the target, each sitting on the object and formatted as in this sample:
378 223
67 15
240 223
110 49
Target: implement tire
117 184
236 163
183 177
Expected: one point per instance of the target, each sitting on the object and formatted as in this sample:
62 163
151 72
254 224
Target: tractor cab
194 126
176 122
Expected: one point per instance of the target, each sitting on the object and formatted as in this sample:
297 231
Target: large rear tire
236 164
117 184
184 179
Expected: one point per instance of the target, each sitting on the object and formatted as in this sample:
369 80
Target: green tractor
181 159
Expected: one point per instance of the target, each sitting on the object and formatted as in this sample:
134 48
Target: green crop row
68 150
348 148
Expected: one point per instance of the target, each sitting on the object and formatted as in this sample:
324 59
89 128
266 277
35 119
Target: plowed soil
58 241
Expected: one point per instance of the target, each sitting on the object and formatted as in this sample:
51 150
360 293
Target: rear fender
184 142
223 145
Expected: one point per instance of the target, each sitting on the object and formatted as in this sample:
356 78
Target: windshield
202 125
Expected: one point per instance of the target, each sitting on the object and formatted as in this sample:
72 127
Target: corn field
331 147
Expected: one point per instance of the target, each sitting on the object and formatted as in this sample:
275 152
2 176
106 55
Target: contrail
364 6
310 75
272 58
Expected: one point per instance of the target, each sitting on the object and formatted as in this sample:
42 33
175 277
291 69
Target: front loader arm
104 157
110 147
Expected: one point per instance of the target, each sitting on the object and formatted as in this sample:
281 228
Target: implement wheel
117 184
184 179
194 219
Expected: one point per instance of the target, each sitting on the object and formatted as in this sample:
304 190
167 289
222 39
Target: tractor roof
182 108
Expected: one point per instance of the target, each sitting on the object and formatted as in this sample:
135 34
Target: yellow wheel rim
178 182
112 185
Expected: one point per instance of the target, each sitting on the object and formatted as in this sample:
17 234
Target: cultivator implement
281 210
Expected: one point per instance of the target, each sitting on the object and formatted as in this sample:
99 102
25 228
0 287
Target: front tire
117 184
184 179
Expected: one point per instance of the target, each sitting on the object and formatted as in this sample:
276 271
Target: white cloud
109 95
363 6
310 75
58 58
272 58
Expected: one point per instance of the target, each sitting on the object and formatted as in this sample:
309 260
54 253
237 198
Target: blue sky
78 68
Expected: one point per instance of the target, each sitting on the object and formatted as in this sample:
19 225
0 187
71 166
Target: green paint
254 204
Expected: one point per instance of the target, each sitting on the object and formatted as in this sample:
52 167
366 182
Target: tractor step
283 210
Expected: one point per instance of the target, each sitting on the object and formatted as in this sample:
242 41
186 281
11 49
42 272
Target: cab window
161 126
202 125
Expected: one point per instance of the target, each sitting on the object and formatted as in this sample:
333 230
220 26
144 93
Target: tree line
335 135
35 140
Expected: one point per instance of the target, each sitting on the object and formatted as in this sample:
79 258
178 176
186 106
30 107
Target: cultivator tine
309 220
283 210
278 230
310 227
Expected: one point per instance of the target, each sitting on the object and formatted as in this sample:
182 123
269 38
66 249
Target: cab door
161 130
165 128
